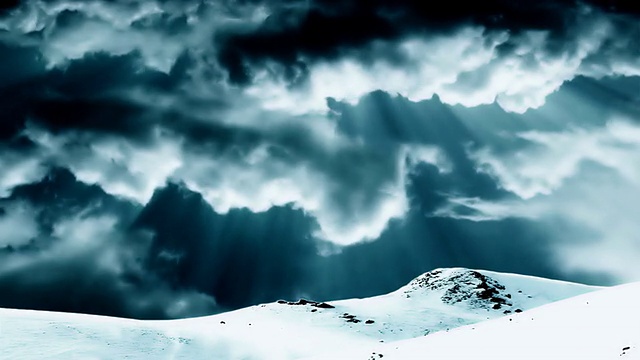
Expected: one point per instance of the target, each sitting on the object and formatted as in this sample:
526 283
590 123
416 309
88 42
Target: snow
600 325
432 304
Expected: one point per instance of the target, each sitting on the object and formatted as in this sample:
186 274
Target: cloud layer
232 98
196 156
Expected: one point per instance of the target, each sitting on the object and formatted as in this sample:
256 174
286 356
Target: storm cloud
68 246
167 158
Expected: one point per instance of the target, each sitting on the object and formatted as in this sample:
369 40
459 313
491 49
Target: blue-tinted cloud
295 153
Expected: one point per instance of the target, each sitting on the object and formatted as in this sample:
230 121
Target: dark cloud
421 240
8 5
83 257
242 258
88 94
176 257
297 34
75 285
386 121
72 112
172 186
59 196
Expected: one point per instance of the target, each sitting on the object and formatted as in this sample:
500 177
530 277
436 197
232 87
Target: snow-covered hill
431 304
602 325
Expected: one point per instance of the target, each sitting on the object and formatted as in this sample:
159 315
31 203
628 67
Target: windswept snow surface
431 304
600 325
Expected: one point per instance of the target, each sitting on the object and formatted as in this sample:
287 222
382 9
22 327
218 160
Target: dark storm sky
168 158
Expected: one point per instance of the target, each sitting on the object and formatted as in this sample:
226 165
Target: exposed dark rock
350 318
465 286
321 305
369 322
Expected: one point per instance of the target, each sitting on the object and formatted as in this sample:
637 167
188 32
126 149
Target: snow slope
600 325
431 304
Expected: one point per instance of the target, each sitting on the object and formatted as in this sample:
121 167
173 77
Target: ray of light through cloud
208 155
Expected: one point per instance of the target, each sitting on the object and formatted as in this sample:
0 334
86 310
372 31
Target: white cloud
554 157
433 64
468 68
17 170
587 178
116 27
476 209
351 205
602 235
96 248
76 238
18 225
120 166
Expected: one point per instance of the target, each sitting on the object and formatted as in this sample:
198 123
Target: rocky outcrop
463 286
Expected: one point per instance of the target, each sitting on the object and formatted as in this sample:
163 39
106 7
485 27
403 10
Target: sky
176 158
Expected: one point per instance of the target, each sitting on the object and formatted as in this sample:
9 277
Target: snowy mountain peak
458 285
